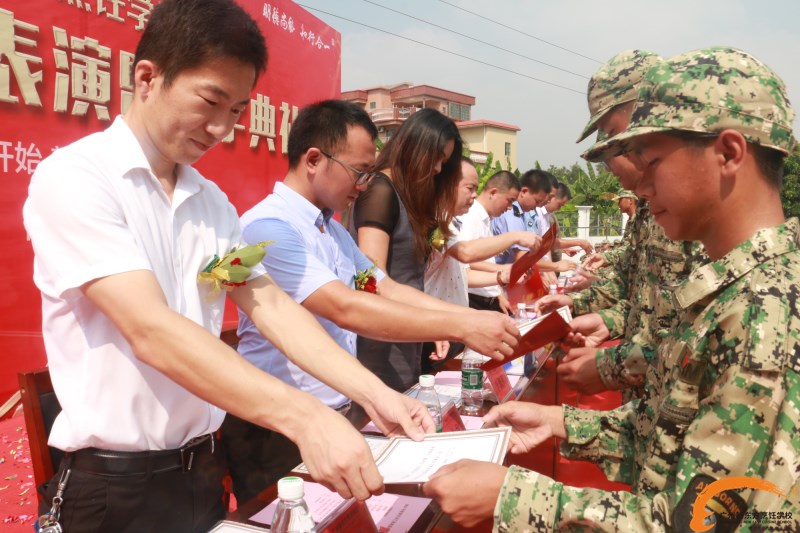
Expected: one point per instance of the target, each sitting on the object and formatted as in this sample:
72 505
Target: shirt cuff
528 501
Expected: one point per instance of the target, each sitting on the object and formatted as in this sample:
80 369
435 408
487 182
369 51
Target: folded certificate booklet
537 333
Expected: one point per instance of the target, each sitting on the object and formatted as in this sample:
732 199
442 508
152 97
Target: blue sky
550 117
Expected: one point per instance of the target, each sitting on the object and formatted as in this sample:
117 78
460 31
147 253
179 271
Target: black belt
112 463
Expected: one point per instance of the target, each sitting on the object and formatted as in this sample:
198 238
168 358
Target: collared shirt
543 220
300 260
95 209
446 276
512 220
476 224
721 401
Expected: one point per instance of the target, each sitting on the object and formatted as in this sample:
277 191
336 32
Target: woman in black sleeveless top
393 221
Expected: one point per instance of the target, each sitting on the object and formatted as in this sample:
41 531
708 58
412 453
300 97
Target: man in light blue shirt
314 259
535 188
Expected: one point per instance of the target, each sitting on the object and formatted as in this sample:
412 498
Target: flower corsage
366 281
437 240
233 269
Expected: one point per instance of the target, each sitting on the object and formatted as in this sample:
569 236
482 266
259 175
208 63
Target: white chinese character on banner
140 11
80 4
290 25
5 155
286 125
113 13
267 12
18 61
229 137
262 121
86 79
125 80
27 158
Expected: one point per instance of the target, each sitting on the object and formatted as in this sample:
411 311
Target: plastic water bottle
427 395
292 514
522 313
471 383
553 289
563 279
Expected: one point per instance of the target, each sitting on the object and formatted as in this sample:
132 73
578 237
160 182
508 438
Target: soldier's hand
551 302
337 456
594 262
466 490
580 282
531 423
565 264
591 327
579 371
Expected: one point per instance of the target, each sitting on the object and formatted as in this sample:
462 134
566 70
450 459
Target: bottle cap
553 286
290 488
426 380
521 306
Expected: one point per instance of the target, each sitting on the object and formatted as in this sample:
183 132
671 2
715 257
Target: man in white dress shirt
121 226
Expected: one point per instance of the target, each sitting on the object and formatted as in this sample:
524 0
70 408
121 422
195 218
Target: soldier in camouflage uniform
627 304
721 408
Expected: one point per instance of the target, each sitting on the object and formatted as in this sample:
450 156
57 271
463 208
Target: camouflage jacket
613 256
614 290
723 400
662 264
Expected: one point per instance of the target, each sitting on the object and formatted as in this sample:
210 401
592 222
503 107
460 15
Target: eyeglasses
362 176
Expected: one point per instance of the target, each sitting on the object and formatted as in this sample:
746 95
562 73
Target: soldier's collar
767 243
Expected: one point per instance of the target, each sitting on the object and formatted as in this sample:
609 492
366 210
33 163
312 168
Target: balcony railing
392 113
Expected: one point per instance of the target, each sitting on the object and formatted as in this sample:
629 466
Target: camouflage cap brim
618 144
591 127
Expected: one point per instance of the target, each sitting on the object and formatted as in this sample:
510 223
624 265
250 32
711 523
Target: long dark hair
410 156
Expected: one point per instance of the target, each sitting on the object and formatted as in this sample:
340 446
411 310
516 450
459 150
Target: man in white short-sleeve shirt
500 190
121 227
331 151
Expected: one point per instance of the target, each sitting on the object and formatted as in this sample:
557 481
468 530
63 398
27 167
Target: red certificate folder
529 260
549 329
533 288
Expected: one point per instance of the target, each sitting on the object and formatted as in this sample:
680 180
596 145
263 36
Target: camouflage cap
708 91
624 193
615 83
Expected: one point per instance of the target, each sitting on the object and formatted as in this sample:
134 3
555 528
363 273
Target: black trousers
483 303
258 457
174 501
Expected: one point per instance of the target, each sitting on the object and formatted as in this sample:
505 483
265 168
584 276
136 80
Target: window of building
508 149
372 105
458 111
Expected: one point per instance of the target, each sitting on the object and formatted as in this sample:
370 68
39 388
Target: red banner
65 71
